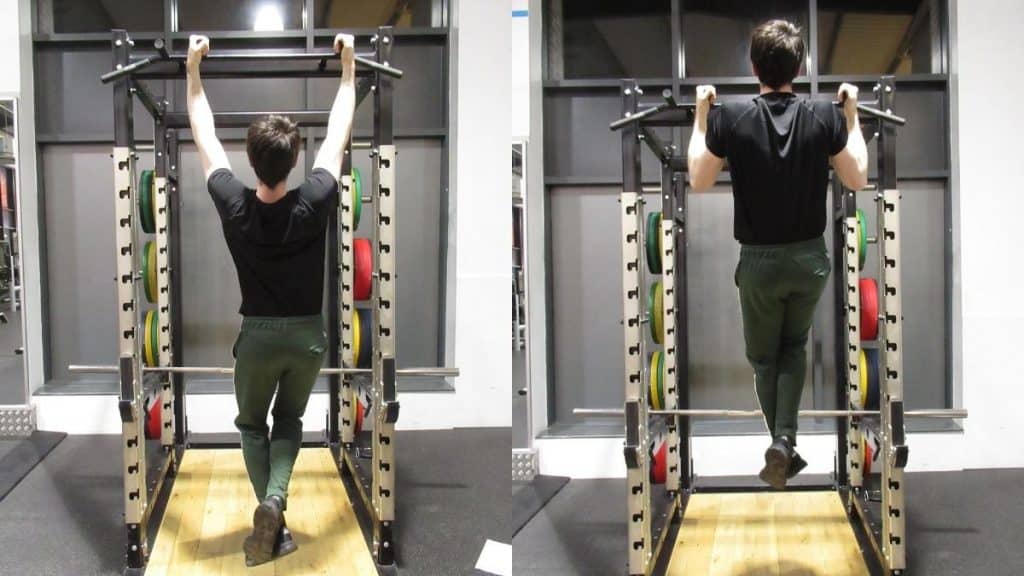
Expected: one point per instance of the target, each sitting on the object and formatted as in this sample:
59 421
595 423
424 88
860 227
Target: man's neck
768 89
269 195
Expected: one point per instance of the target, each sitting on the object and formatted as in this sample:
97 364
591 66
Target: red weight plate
868 309
660 465
153 419
363 269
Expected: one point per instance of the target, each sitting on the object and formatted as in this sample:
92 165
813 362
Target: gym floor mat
23 457
529 498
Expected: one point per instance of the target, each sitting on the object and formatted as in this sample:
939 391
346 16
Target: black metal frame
636 125
166 150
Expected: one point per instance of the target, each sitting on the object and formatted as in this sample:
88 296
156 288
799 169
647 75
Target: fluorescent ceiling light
268 19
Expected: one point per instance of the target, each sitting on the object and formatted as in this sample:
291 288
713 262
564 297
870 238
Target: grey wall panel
244 94
419 95
586 291
79 182
71 99
579 143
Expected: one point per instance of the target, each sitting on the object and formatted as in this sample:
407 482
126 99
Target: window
374 13
716 33
81 16
879 37
254 15
609 39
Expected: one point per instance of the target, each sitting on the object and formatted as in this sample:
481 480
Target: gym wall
582 171
75 131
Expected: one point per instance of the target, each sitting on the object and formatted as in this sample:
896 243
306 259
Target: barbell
720 413
100 369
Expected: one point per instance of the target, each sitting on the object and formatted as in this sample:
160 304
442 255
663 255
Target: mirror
13 384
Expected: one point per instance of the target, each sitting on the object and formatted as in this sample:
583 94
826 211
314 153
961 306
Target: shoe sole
259 546
775 467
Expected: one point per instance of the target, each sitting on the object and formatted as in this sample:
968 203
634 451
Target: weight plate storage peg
656 312
862 238
362 272
149 271
147 201
357 197
653 242
868 309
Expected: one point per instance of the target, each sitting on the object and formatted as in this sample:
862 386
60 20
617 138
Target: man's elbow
700 182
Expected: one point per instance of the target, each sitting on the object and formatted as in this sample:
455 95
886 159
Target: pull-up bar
138 66
671 104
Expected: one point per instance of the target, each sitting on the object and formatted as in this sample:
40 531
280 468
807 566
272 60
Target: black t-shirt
778 146
278 248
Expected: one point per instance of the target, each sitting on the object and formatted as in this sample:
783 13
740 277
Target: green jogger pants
281 355
779 287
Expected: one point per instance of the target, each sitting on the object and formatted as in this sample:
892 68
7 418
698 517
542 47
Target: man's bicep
212 156
328 160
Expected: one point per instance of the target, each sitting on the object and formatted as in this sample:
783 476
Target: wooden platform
751 534
209 514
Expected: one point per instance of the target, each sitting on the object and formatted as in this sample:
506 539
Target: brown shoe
776 463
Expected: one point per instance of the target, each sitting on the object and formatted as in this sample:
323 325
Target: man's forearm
339 123
200 114
855 142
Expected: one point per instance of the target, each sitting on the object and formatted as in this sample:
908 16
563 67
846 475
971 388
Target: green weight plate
149 271
357 197
653 242
862 237
655 312
146 201
659 382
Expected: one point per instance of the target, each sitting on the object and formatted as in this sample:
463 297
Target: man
779 147
277 241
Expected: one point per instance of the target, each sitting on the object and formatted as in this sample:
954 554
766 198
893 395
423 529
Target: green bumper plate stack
862 237
656 379
149 271
653 242
147 201
656 313
357 197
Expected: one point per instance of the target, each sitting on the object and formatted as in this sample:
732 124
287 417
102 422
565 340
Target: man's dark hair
273 147
777 50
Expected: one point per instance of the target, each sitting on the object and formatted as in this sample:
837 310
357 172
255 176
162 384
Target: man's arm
703 165
851 163
339 124
200 116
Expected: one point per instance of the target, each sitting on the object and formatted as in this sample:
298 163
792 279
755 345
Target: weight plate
149 271
652 380
872 359
357 197
653 242
872 447
861 398
365 338
147 205
862 238
362 272
147 345
153 419
868 309
660 465
656 312
659 382
359 416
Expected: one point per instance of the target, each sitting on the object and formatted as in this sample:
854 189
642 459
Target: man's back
778 146
278 248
